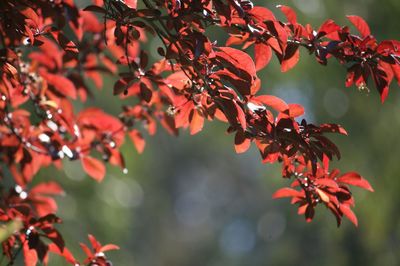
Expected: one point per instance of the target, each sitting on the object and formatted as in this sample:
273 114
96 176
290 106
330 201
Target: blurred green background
192 201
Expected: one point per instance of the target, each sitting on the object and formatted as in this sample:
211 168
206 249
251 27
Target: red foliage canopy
51 49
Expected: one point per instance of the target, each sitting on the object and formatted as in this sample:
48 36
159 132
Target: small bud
112 144
363 87
23 195
52 125
44 138
18 189
171 111
67 151
26 41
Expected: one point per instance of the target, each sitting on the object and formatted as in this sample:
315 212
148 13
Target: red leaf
108 247
295 110
94 8
274 44
87 250
145 93
272 101
324 197
237 58
361 25
396 72
261 13
131 3
289 14
262 54
31 14
178 80
326 183
328 27
196 122
279 31
168 123
44 205
137 140
65 253
182 117
94 167
345 209
47 188
62 85
242 144
354 179
286 192
290 58
30 256
333 128
241 116
95 244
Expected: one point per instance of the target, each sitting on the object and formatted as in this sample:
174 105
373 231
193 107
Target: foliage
50 49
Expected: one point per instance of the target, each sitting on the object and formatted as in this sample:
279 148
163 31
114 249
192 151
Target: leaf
279 43
324 197
275 102
290 57
381 80
178 80
49 103
131 3
261 13
94 167
148 13
49 219
295 110
87 250
328 27
64 253
289 14
55 237
137 140
49 188
262 55
333 128
360 24
242 144
31 14
93 241
96 9
30 256
196 122
241 116
396 72
145 92
63 85
243 86
345 209
108 247
326 183
237 59
286 193
354 179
